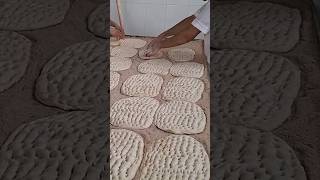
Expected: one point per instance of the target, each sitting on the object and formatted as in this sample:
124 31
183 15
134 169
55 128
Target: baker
183 32
116 31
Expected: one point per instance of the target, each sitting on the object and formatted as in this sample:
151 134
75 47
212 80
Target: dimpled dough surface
122 51
184 89
75 78
181 54
156 66
126 151
31 14
114 79
256 26
65 146
142 85
97 21
255 89
134 112
14 58
180 117
248 154
119 63
177 157
187 69
134 43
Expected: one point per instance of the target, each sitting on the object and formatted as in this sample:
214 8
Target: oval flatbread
119 63
181 54
156 66
133 43
114 79
141 85
122 51
187 69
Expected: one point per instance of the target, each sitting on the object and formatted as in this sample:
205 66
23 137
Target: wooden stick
120 14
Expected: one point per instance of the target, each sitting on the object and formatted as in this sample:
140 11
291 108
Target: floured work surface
256 26
66 146
151 134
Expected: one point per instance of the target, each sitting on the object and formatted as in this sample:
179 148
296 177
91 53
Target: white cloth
202 22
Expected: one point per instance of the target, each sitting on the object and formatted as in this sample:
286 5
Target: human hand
153 47
115 32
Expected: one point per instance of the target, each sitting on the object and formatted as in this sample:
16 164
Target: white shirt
202 22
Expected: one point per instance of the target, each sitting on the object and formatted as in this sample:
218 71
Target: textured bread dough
180 117
248 154
133 43
31 14
65 146
14 58
134 112
176 157
156 66
119 63
97 21
256 26
183 89
187 69
126 152
142 55
114 79
75 78
142 85
254 89
122 51
181 54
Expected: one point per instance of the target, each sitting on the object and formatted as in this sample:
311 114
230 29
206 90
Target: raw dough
119 63
114 79
180 117
133 43
142 85
31 14
248 154
254 89
187 69
134 112
126 151
14 58
256 26
75 78
181 54
184 89
65 146
121 51
156 66
142 55
176 157
97 21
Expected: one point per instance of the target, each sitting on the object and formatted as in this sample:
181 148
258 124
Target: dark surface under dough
67 146
301 129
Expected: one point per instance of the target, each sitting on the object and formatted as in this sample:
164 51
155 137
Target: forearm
181 26
187 35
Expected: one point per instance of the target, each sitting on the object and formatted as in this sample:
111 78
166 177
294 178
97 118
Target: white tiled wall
151 17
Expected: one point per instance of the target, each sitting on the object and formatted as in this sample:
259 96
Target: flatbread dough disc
134 112
141 85
114 79
248 154
181 54
256 26
97 21
180 117
66 146
187 69
176 157
142 55
75 78
183 89
119 63
32 14
254 89
122 51
126 151
14 58
156 66
133 43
